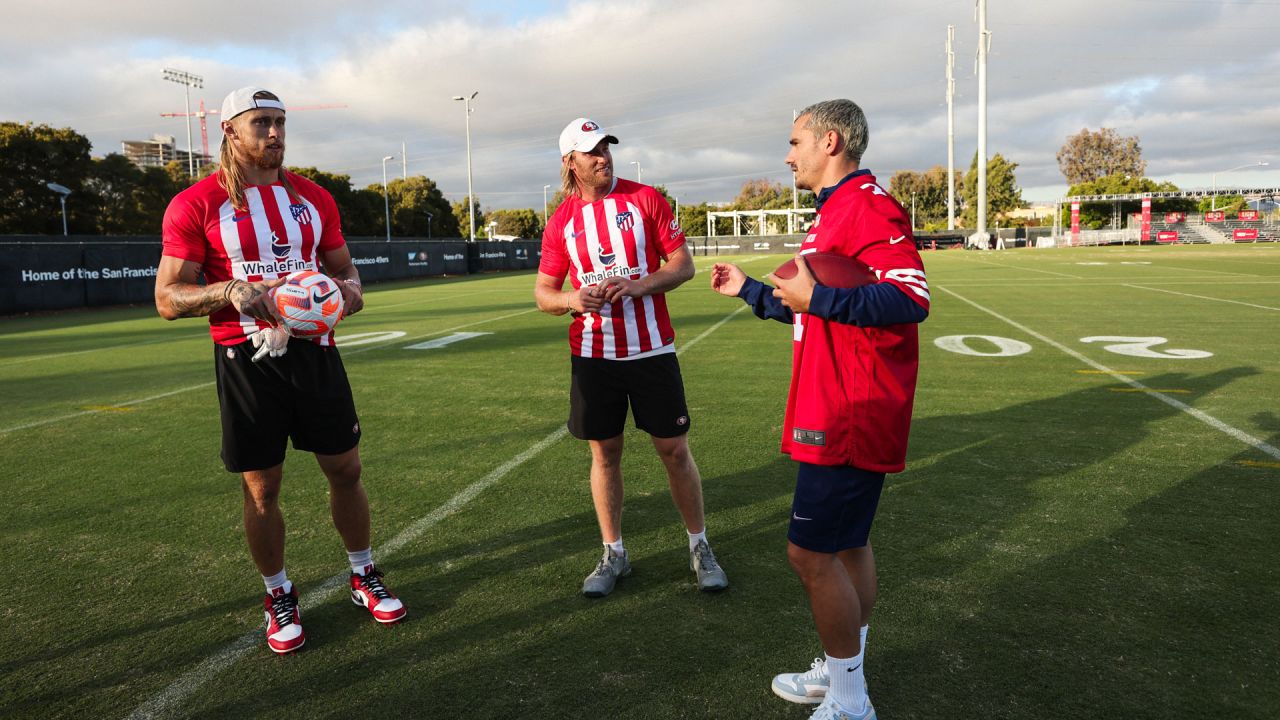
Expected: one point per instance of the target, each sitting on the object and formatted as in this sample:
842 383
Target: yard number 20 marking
1118 344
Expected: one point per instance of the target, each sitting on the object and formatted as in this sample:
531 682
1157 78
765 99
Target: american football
309 302
830 269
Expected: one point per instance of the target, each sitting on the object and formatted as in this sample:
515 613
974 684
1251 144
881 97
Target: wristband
356 283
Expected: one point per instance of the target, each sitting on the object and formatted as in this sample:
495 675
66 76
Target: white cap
583 135
249 98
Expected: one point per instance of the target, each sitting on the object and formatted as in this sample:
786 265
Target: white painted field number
1004 347
1118 344
366 338
1141 347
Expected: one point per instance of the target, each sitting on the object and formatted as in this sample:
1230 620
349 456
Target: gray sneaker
703 563
611 567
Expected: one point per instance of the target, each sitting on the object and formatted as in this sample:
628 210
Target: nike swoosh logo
797 517
895 241
321 298
238 218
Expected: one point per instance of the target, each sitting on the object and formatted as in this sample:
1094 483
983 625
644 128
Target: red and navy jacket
856 352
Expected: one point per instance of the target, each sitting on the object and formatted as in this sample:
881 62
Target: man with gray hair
853 378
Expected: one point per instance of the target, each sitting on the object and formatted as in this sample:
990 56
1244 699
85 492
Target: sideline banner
1146 221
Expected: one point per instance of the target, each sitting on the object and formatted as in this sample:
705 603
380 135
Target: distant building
159 151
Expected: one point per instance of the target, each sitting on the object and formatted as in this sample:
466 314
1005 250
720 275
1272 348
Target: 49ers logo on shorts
624 220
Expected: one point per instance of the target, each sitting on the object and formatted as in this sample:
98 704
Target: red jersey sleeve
331 238
889 247
665 227
555 259
182 232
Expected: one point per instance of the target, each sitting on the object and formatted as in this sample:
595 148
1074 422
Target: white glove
270 341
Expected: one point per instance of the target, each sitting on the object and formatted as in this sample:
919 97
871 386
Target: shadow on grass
1138 595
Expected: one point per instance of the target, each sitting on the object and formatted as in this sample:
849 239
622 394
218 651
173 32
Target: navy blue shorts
833 507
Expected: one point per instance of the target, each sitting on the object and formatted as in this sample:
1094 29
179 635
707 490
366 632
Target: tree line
112 196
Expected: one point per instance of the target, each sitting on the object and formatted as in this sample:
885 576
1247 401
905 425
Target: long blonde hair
232 177
568 183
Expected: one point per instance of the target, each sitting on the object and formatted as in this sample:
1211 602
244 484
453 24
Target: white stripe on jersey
642 259
913 279
588 319
229 234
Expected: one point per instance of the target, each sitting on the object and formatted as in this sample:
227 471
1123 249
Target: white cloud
700 91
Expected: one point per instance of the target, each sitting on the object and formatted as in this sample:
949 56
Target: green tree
415 201
930 191
31 156
464 220
522 223
1003 193
693 219
764 195
127 200
1089 156
361 211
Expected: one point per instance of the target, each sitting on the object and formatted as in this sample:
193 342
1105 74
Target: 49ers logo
588 126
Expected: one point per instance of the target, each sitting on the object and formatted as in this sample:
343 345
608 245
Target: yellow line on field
1259 464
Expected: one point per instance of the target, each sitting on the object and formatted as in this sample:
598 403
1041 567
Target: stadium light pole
546 209
386 202
63 192
673 197
638 175
471 198
913 213
187 81
430 219
1213 199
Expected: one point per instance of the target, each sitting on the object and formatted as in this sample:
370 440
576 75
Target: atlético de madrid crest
301 213
625 220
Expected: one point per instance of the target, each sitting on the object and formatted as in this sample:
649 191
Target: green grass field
1079 533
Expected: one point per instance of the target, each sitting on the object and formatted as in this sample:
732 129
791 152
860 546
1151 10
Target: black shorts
833 507
303 395
601 389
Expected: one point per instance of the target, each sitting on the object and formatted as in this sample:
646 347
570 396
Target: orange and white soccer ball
310 303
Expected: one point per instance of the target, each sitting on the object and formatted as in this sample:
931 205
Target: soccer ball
310 303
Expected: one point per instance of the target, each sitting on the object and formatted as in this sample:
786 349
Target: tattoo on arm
243 293
196 300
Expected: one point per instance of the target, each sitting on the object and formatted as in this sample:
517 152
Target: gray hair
844 117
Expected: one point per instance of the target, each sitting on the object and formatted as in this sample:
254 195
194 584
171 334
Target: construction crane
203 114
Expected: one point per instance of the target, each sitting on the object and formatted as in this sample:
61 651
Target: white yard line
167 701
1203 417
16 361
1202 297
1023 267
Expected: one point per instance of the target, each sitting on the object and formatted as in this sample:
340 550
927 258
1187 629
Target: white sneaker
807 687
829 710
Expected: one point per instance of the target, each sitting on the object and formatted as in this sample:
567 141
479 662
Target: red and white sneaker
368 591
284 620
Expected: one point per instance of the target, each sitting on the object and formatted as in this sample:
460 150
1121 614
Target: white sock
694 538
848 686
361 561
279 581
617 546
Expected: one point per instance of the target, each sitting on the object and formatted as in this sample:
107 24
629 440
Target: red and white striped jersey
628 234
277 236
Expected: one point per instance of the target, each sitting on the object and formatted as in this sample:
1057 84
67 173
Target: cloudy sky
701 92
